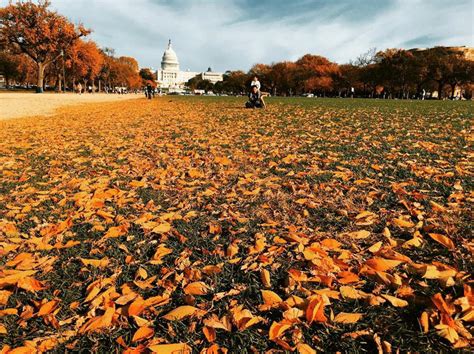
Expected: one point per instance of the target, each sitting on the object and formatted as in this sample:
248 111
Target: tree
234 82
147 77
84 62
399 71
316 73
193 82
205 85
283 74
38 32
9 66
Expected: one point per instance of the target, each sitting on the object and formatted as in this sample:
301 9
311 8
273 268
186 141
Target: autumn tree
316 73
399 71
147 77
283 76
234 82
9 66
42 34
84 62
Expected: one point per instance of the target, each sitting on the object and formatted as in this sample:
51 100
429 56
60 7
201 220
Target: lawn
191 224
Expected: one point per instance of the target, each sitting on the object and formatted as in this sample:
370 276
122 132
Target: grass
297 174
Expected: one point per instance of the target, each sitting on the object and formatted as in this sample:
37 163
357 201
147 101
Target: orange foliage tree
38 32
84 62
316 72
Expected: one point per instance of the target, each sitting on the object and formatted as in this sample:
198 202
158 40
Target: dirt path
16 105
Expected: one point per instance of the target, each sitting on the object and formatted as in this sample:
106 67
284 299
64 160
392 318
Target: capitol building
171 78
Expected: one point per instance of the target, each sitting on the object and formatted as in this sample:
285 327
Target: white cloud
218 33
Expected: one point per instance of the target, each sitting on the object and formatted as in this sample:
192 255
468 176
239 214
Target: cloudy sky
235 34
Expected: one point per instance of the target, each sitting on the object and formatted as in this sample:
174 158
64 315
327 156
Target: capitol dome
170 59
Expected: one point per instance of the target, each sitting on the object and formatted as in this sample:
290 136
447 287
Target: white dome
170 59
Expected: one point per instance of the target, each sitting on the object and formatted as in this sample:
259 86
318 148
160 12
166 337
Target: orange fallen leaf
359 234
196 288
177 348
180 313
270 298
444 240
143 333
48 307
315 309
97 263
305 349
395 301
382 264
344 317
278 328
403 223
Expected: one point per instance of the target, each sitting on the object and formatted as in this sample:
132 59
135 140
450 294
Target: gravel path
16 105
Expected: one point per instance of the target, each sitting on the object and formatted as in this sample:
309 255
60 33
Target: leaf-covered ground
193 225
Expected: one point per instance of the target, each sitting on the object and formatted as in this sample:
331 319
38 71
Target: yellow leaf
270 298
196 288
3 329
180 313
359 234
437 207
382 264
178 348
116 231
403 223
98 263
395 301
265 277
375 247
344 317
444 240
278 328
143 333
349 292
424 322
447 332
162 228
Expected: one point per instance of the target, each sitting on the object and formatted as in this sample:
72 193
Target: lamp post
64 71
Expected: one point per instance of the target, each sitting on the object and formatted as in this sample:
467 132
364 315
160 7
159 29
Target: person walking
149 91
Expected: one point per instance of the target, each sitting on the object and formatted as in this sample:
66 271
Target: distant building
212 76
171 78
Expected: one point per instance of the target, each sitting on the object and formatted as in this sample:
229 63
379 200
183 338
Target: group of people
256 96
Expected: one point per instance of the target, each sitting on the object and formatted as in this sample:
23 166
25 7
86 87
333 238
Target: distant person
149 91
255 98
255 82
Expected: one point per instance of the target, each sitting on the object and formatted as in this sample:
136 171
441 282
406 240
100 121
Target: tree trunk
453 90
39 83
60 83
440 89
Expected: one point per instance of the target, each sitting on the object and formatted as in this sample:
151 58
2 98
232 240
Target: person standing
149 91
256 83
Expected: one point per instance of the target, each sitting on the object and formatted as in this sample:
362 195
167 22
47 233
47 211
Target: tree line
392 73
42 48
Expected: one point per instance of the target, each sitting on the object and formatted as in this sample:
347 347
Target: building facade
169 77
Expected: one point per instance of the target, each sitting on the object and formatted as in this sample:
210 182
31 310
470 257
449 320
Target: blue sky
235 34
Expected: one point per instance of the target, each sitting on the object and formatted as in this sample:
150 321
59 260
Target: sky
235 34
